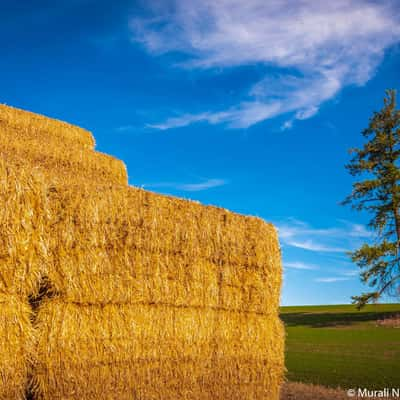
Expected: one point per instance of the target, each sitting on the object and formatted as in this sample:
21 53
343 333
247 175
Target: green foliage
377 164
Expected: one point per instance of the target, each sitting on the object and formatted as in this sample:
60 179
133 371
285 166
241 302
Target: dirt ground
301 391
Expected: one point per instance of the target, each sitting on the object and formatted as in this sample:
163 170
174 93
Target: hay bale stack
64 153
161 298
152 297
23 249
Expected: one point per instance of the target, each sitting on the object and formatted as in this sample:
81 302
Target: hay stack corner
112 292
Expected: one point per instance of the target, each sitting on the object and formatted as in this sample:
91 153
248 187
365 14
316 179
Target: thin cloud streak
313 46
195 187
350 273
339 239
300 266
314 246
245 115
331 279
188 187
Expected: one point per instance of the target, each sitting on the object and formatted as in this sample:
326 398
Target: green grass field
340 346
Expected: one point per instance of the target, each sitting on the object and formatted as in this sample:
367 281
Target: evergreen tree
378 193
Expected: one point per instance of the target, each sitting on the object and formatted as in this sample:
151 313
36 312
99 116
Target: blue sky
249 105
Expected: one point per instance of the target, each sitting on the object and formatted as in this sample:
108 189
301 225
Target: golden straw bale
118 352
25 124
62 162
17 346
169 251
155 352
250 353
23 218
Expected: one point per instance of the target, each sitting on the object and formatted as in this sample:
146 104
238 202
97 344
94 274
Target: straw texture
136 295
23 242
64 153
23 248
155 352
125 245
23 122
17 340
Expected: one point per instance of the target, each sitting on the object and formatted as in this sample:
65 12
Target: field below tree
339 346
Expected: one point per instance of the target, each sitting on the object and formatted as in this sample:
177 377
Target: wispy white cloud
338 239
357 230
187 119
339 275
300 265
317 48
188 187
242 116
312 245
350 273
332 279
195 187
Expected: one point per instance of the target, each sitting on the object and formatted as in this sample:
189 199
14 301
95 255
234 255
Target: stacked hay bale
158 298
153 297
22 251
63 152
